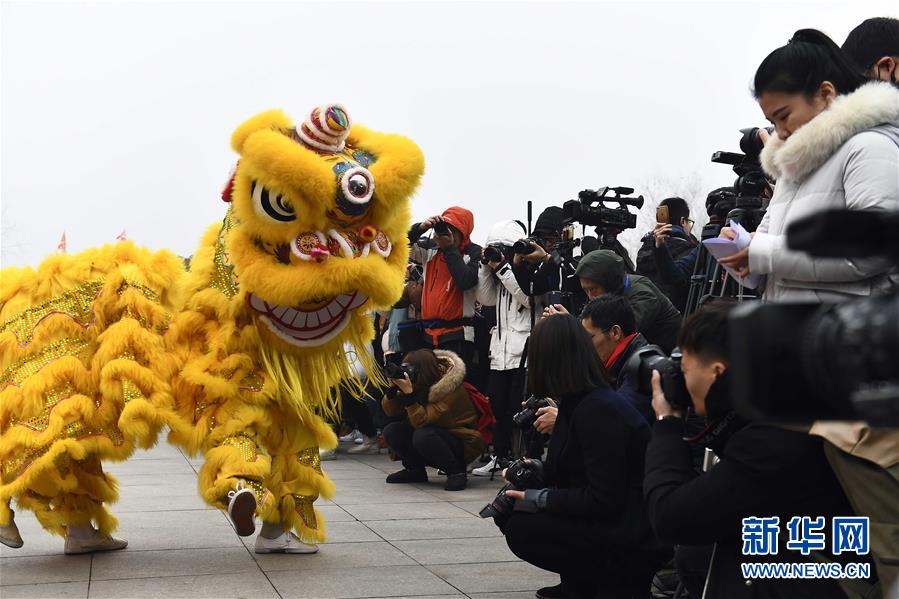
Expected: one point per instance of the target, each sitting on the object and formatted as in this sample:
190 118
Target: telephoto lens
493 253
523 247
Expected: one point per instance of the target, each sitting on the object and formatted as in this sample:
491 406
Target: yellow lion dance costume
240 357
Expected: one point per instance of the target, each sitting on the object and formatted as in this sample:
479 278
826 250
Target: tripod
709 279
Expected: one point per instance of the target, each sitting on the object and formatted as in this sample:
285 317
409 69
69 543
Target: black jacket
627 388
594 468
677 245
764 471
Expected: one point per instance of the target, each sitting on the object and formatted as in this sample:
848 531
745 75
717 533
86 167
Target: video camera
522 474
589 209
746 203
639 368
806 362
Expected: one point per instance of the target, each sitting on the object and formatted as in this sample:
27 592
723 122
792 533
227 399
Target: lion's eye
271 204
357 185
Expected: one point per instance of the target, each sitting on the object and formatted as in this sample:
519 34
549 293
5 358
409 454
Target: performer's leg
297 480
233 477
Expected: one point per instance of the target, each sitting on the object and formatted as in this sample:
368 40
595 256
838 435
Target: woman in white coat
498 287
837 147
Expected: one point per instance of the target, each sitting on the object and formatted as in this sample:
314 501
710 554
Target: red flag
62 243
121 236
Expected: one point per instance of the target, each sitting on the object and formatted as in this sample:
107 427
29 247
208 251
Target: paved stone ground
383 541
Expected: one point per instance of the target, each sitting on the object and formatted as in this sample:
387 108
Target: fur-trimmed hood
452 370
873 104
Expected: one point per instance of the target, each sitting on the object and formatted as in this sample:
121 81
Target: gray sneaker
9 533
94 544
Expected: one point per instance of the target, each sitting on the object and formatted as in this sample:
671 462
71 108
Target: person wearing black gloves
763 471
589 523
440 428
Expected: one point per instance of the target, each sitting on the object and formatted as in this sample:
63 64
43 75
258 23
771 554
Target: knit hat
604 267
550 222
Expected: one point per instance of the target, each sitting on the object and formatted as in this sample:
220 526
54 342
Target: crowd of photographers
612 416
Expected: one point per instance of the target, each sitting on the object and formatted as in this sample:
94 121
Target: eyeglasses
689 222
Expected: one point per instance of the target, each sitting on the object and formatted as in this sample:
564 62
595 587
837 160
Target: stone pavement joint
400 541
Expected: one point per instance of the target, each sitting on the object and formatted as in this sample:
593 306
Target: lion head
319 213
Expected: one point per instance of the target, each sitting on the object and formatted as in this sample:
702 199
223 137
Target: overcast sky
118 115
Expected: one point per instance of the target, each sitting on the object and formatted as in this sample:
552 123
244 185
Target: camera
523 247
589 208
806 362
528 414
441 228
746 204
398 371
522 474
651 357
495 252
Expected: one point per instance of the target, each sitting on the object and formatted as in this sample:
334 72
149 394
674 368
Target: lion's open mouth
306 327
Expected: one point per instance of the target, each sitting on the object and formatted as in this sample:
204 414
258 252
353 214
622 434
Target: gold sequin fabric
258 488
311 458
247 447
13 468
26 367
223 273
303 506
77 304
40 422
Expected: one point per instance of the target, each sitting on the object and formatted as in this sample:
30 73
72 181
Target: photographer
672 236
610 322
837 146
603 271
498 287
763 471
546 272
450 263
440 424
588 523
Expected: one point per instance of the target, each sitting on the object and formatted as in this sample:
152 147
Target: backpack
481 404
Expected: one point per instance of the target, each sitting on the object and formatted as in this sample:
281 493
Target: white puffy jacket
513 312
845 158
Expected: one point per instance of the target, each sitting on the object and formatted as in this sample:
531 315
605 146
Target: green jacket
657 318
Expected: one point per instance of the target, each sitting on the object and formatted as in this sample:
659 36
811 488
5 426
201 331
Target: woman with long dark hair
588 523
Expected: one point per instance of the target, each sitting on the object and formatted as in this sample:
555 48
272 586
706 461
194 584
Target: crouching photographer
584 518
440 428
764 471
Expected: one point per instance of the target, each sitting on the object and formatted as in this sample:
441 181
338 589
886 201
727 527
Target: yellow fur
99 380
187 350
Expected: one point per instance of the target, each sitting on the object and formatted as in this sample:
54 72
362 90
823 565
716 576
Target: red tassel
226 193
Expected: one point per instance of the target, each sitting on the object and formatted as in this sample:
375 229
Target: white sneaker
493 466
286 543
9 533
327 454
92 544
242 509
367 445
352 437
